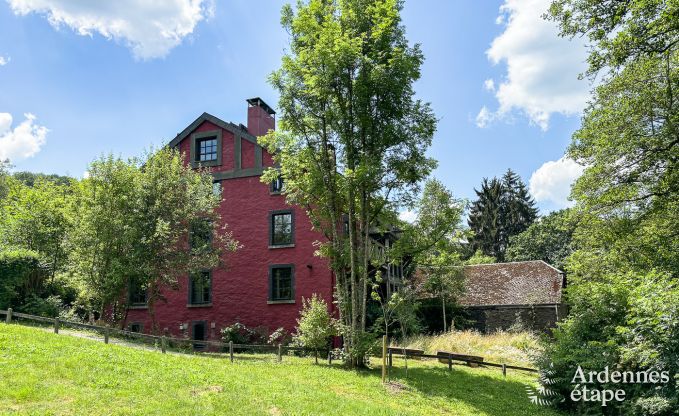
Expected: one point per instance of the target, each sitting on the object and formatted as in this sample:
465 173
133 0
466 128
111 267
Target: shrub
626 323
238 334
279 336
51 307
20 271
315 326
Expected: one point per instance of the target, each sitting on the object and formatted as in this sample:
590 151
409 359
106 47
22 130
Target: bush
50 307
279 336
238 334
315 326
624 323
20 271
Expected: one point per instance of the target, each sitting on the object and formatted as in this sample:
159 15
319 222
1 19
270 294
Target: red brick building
264 281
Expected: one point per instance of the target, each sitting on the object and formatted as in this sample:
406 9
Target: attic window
206 149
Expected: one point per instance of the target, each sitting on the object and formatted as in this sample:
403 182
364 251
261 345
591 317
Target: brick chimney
261 117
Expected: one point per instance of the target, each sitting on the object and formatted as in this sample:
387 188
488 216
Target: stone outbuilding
500 295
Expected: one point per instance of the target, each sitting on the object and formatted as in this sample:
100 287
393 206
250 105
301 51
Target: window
217 189
277 185
206 149
137 293
281 232
135 327
200 288
199 333
281 282
200 235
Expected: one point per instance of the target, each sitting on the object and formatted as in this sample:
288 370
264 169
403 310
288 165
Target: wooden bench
443 358
407 351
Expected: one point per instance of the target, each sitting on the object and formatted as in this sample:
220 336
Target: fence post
384 358
391 357
450 362
280 353
8 318
56 325
231 350
504 370
106 335
163 344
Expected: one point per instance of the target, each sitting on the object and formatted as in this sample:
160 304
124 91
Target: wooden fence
449 358
162 342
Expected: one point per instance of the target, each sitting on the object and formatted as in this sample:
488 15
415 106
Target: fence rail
163 341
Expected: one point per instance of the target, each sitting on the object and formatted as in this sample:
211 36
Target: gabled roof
518 283
217 122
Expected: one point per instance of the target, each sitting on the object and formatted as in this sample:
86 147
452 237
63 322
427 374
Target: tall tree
36 218
485 219
133 220
519 209
433 243
623 276
504 208
550 239
352 135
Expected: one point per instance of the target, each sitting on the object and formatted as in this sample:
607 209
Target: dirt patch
207 390
395 387
274 411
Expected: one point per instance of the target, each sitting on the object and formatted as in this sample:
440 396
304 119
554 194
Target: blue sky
78 80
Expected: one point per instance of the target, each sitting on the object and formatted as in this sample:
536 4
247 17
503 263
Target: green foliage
21 271
627 323
239 334
51 306
352 136
132 220
623 274
548 239
432 242
31 178
503 208
36 218
619 32
479 258
315 326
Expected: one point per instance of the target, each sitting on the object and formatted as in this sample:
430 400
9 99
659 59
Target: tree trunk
445 323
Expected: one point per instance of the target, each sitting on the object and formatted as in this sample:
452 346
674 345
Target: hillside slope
43 373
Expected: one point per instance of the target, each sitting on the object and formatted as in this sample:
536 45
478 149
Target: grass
46 374
517 348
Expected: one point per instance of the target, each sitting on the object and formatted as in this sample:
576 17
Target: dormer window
206 149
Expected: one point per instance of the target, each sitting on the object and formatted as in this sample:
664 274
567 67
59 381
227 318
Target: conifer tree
519 206
504 208
485 218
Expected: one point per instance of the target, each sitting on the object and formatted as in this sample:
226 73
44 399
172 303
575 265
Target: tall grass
519 348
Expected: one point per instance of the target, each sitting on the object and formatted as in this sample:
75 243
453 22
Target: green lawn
42 373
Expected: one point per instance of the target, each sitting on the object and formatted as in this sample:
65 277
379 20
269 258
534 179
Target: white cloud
542 68
151 28
552 181
489 85
24 141
4 61
408 216
485 117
